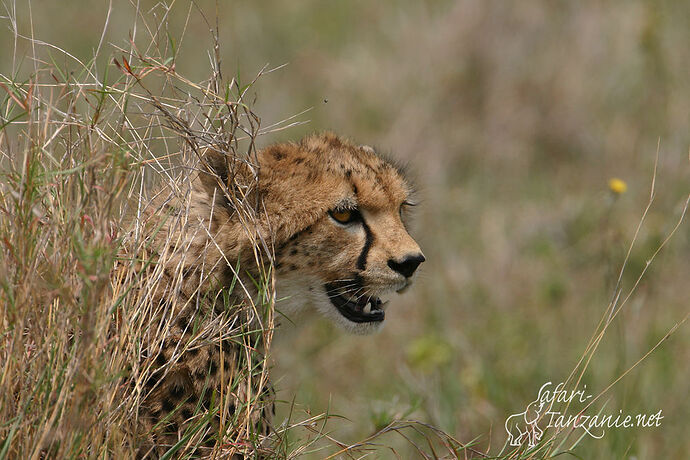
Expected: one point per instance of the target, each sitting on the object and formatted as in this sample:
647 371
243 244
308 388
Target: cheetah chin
355 314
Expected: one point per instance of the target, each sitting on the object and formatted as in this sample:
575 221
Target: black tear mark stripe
369 240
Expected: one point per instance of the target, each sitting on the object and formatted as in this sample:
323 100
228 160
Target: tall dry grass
81 152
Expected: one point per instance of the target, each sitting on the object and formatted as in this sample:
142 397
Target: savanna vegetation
550 144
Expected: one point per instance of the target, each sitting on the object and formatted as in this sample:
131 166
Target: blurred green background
513 117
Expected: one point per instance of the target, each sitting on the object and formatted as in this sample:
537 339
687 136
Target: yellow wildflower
617 186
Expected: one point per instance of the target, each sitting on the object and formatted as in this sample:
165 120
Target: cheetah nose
408 265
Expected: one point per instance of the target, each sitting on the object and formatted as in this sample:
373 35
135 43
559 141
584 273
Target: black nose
408 265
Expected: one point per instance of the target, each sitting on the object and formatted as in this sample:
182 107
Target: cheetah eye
404 205
345 216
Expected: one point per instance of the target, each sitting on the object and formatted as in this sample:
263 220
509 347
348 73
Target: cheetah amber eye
344 216
403 206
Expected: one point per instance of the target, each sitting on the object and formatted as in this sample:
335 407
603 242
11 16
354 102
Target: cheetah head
339 212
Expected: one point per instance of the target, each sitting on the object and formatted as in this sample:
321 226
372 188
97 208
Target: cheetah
335 217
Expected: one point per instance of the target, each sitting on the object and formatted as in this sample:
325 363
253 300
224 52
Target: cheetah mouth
358 309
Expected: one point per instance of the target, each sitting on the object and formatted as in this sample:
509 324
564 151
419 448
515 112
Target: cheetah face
343 267
356 298
357 248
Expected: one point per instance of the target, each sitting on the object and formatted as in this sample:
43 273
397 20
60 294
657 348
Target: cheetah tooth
367 308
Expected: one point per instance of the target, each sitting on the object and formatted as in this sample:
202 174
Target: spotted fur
339 269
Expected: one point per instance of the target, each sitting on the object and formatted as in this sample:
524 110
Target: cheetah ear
367 148
219 170
213 168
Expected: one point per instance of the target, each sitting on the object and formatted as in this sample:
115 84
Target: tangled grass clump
80 152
